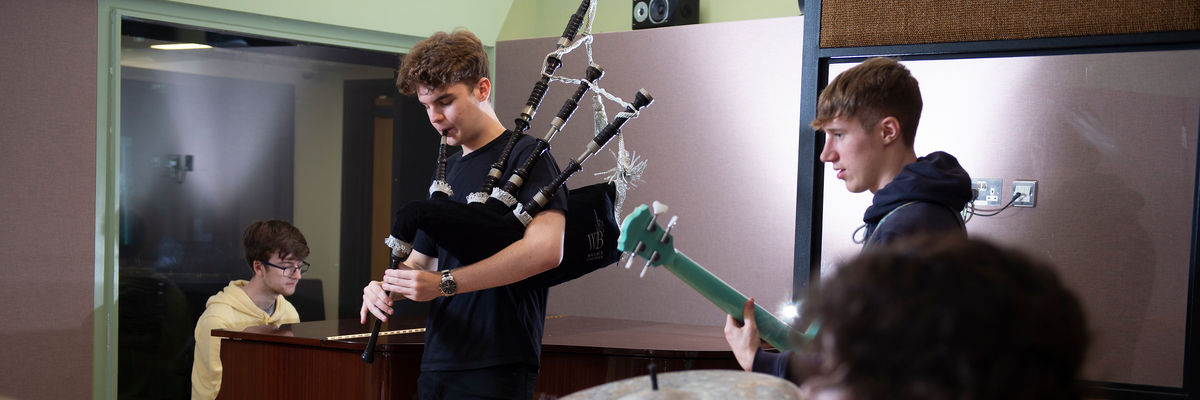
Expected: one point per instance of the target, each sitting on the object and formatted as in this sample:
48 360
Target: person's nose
827 152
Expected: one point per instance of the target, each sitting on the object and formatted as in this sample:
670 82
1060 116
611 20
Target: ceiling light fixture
181 46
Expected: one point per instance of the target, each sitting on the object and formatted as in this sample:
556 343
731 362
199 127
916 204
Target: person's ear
258 266
890 129
484 89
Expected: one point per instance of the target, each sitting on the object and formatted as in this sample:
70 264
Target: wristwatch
448 286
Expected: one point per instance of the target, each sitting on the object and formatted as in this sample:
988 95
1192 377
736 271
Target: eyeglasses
288 271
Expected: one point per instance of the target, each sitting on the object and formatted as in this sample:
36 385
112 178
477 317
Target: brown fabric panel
47 197
854 23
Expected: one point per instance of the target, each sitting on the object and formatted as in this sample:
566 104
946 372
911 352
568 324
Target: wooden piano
308 361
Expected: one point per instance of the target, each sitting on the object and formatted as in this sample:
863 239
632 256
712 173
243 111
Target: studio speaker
656 13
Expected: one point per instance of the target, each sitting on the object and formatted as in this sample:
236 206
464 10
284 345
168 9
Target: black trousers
501 382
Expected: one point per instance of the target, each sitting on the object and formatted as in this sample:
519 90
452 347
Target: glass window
213 139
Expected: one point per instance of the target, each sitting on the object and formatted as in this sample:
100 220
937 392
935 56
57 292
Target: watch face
448 286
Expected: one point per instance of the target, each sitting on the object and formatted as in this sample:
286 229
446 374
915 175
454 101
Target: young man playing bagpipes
484 333
870 114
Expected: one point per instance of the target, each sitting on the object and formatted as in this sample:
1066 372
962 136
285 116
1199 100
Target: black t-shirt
496 326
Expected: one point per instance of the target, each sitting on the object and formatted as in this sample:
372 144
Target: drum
694 385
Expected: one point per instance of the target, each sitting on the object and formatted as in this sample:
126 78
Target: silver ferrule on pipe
555 126
540 199
592 148
516 180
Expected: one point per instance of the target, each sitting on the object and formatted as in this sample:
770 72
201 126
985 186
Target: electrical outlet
1028 192
987 191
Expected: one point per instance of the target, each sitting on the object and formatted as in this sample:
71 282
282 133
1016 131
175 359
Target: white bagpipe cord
625 175
630 167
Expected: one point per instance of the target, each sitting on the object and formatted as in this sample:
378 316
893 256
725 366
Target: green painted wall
491 20
541 18
419 18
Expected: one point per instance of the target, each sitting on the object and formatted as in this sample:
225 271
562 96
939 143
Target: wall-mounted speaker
656 13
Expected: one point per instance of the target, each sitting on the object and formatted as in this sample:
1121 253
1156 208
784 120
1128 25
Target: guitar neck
732 302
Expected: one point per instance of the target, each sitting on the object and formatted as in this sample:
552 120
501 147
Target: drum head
694 385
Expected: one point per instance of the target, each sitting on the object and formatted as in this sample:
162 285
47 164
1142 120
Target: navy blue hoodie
926 197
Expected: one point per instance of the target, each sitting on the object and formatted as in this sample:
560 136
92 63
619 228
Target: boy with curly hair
484 334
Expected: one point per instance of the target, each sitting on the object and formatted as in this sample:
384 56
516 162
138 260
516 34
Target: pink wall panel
47 197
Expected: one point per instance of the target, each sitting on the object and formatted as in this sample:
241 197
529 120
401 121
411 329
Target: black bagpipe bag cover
473 232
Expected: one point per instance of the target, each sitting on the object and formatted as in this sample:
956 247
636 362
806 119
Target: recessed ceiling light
181 46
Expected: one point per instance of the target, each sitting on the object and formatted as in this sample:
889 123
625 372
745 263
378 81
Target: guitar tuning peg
652 259
629 261
667 232
658 208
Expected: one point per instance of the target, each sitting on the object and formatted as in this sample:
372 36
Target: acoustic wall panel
48 199
855 23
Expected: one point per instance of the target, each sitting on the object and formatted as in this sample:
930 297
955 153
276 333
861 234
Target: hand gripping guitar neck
641 235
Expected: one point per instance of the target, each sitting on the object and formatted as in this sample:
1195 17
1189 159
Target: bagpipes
486 224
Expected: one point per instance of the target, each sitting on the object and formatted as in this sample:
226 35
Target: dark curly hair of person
945 318
442 60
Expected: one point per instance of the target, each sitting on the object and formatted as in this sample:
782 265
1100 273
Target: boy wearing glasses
275 251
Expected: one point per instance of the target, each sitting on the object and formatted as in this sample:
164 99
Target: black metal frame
810 172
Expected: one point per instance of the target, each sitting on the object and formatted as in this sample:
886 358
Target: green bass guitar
642 235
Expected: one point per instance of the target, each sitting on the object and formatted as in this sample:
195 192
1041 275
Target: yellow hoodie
228 309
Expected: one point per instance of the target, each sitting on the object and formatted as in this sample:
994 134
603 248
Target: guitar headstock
641 235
